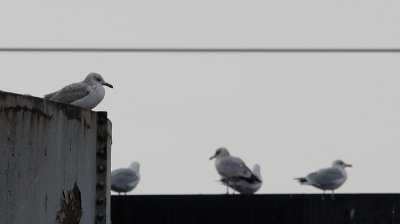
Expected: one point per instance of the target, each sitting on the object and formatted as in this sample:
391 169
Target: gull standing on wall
243 186
125 179
86 94
232 167
327 179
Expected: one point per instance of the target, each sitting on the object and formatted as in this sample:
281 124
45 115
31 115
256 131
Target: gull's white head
340 163
96 78
221 152
135 166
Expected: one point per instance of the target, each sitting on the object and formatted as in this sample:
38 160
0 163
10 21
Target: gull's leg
323 195
333 197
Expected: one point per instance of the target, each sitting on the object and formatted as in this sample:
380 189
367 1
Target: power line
205 50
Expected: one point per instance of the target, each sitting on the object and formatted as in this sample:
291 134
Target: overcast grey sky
291 113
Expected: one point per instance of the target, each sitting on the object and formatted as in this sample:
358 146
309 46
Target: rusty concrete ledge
19 102
49 158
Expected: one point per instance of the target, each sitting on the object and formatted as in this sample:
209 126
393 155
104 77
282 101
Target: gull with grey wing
86 94
125 179
328 178
231 167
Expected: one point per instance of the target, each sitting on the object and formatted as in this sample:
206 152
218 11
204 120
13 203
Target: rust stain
3 95
70 111
70 207
32 110
86 124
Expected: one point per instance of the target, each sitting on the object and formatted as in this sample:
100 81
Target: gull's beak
107 84
349 165
212 157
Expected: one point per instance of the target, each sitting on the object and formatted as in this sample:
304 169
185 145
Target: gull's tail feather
252 179
255 178
301 180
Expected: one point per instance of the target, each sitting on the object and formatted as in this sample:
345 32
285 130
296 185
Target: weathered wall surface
54 162
256 209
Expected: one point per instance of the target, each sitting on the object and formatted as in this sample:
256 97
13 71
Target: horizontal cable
207 50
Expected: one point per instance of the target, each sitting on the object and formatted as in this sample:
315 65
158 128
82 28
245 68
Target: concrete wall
256 209
54 162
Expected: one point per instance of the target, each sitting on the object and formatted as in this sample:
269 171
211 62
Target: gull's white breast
95 96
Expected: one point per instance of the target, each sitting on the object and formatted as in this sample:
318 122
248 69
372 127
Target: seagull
86 94
232 167
327 178
243 186
125 179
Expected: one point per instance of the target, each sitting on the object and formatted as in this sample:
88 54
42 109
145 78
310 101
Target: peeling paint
70 207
